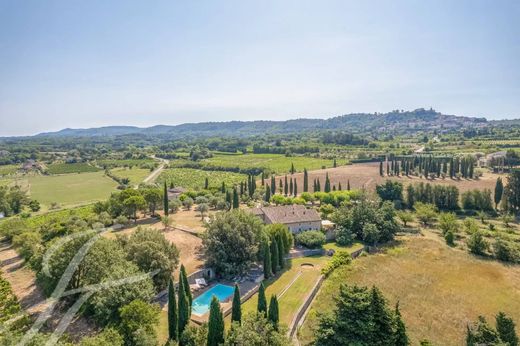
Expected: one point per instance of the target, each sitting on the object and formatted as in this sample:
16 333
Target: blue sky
95 63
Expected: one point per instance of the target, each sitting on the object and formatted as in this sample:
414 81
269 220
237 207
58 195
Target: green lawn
70 189
273 162
353 248
135 174
194 178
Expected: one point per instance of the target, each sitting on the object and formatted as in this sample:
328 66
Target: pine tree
273 314
286 187
268 267
267 194
295 188
274 256
499 190
235 198
506 329
183 308
206 183
172 312
262 300
236 311
184 277
382 318
400 336
215 324
305 180
165 200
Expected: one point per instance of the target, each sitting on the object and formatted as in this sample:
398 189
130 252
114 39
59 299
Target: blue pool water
201 303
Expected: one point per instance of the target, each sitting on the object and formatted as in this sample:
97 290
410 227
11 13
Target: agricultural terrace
367 175
69 190
65 168
195 178
135 174
270 162
439 289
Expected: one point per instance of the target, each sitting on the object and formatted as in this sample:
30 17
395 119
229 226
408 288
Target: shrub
477 244
311 239
426 212
506 251
340 258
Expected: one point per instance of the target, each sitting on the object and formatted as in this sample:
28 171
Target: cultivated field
135 174
64 168
69 190
367 175
439 289
194 178
273 162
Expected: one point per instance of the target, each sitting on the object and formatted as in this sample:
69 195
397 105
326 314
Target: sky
80 64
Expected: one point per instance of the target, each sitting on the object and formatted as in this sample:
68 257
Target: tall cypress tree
267 194
235 198
499 190
334 164
263 177
295 188
206 183
348 185
236 311
267 261
286 187
274 256
229 199
215 324
291 187
281 186
339 186
273 185
184 278
327 183
400 336
381 172
165 200
273 314
279 243
183 308
223 187
292 168
262 300
305 180
173 323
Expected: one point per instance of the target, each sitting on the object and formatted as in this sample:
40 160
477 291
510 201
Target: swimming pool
201 304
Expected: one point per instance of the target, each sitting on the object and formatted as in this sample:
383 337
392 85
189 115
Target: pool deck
247 289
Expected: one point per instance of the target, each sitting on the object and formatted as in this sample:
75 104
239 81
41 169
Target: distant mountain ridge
401 121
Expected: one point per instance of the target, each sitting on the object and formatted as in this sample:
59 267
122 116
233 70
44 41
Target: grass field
439 289
194 178
273 162
64 168
135 174
69 189
8 169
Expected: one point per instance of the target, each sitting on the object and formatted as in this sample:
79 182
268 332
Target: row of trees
429 166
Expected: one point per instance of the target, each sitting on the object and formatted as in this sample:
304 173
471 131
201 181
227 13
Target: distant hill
395 122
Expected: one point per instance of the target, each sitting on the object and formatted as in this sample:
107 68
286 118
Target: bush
477 244
340 258
506 251
311 239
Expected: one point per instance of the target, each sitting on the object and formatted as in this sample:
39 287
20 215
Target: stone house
296 217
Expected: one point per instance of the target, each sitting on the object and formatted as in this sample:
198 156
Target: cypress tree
267 194
165 200
286 187
184 277
318 184
348 185
171 185
241 188
273 185
334 164
506 329
305 180
292 168
223 188
235 198
183 308
206 183
499 190
215 324
274 256
236 311
281 186
334 187
387 168
262 300
295 188
327 183
339 186
291 187
267 261
400 337
381 172
279 243
314 188
229 200
273 314
172 312
263 183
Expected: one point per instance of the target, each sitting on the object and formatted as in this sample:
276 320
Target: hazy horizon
131 63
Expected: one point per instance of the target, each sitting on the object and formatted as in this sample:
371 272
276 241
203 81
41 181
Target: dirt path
151 178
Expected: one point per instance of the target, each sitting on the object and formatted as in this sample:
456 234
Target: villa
296 217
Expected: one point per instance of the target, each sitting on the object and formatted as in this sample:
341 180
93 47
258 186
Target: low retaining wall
306 253
304 306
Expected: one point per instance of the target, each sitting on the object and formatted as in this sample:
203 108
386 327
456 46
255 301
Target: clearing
135 174
439 289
